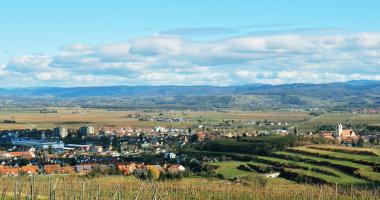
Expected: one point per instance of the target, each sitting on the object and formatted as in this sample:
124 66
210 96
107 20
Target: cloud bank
174 60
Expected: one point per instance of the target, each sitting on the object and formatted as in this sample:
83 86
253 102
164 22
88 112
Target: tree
153 173
116 144
194 138
372 140
360 142
50 149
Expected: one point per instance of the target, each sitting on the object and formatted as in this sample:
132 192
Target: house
83 169
15 171
28 155
9 171
67 170
124 170
273 175
281 132
57 169
96 149
201 136
128 169
170 156
52 169
175 168
29 169
327 135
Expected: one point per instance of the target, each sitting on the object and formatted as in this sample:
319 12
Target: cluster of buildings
366 111
344 136
124 169
66 151
267 123
161 117
130 169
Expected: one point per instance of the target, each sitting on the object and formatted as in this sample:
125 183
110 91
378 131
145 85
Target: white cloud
246 74
55 74
276 58
29 63
153 46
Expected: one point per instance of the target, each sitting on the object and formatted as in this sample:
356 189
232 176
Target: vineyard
120 188
318 164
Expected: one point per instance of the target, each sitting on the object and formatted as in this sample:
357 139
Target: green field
230 169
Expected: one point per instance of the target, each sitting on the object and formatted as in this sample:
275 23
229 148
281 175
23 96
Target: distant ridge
359 87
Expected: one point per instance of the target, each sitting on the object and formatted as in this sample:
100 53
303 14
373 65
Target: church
345 135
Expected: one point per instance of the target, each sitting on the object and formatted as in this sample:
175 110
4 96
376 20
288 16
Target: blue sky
192 42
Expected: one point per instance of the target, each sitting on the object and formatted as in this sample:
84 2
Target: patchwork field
74 118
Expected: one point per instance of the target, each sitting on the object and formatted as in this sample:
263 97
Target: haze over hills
326 90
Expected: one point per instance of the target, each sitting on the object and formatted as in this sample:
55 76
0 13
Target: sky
194 42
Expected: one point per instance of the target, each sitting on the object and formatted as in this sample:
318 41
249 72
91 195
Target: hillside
338 96
314 164
328 90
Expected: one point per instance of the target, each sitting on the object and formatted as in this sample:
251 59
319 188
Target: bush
257 180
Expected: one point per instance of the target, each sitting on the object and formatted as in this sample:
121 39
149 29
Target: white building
61 131
86 130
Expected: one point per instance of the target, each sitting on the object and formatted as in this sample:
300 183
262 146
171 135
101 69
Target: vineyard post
98 192
32 187
154 194
19 187
82 194
49 182
14 191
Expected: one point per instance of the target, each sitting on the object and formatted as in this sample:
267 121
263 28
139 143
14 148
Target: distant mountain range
328 90
335 96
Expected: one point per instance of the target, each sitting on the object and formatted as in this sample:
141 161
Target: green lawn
229 169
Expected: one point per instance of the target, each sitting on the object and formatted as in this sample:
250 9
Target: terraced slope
344 149
324 164
352 157
320 174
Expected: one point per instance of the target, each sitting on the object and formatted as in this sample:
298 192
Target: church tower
339 128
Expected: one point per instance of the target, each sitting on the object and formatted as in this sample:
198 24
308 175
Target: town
138 151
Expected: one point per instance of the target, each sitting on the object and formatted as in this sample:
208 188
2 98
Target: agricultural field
119 187
74 118
345 118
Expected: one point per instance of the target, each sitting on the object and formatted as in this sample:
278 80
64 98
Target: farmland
74 118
